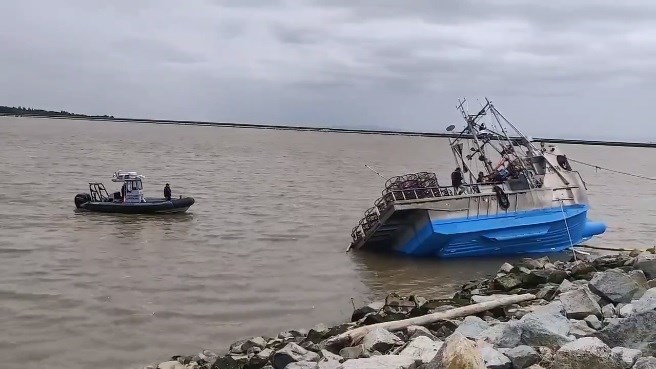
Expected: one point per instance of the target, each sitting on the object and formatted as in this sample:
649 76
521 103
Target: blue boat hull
528 232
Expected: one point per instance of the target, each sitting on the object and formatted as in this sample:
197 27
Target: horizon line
321 129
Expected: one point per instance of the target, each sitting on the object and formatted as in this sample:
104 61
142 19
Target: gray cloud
558 68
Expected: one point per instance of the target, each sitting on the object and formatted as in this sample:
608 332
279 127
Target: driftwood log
354 336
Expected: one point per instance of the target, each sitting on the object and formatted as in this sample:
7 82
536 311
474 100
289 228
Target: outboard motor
82 198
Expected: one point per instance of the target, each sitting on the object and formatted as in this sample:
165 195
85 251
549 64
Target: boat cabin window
133 185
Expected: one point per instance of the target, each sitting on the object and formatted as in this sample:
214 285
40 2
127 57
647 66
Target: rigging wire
597 167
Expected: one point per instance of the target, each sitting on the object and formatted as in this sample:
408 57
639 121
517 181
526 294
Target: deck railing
424 185
393 194
372 216
414 186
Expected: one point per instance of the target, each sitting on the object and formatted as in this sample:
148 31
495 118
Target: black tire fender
502 197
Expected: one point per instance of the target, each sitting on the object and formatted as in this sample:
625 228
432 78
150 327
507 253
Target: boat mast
472 128
529 145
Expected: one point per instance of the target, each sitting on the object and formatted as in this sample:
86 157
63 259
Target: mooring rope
567 227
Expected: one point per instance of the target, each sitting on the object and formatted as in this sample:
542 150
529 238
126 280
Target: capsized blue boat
508 196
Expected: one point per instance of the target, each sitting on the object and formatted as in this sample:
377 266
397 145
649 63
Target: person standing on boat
481 178
167 192
456 180
123 190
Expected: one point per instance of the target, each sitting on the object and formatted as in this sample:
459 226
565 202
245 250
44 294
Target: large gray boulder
546 326
319 332
505 334
628 356
626 310
380 340
593 322
457 353
566 286
258 342
538 277
506 268
415 331
612 261
261 358
547 292
329 360
369 309
472 326
646 262
292 353
230 362
380 362
531 263
646 302
586 353
328 356
522 356
579 328
422 349
580 303
582 270
492 358
353 352
645 363
638 331
609 311
507 282
640 278
615 285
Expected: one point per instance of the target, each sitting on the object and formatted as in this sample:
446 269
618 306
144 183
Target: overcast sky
562 68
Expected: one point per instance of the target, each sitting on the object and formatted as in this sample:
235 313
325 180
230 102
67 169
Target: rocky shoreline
585 313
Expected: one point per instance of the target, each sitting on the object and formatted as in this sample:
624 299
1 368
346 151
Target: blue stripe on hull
536 231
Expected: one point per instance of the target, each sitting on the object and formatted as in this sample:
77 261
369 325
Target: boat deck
397 208
401 211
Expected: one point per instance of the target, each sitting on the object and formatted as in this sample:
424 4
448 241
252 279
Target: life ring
502 198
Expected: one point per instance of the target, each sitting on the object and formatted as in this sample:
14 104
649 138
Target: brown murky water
261 251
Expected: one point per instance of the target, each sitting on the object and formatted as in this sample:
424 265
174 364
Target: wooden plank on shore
354 336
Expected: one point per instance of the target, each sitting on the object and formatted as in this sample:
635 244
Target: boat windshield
133 185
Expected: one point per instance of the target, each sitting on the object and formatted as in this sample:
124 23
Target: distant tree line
21 111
